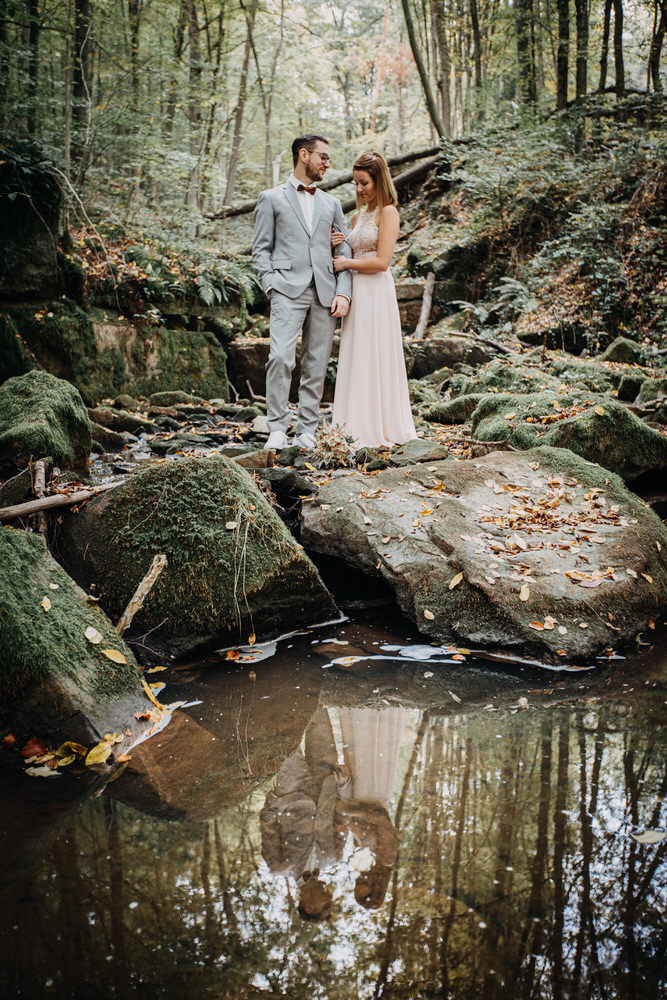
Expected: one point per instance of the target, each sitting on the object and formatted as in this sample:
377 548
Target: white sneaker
305 440
276 441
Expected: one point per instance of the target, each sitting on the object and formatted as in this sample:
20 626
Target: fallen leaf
454 697
115 655
9 741
583 624
54 586
649 836
155 670
46 603
34 748
429 614
538 626
600 410
123 757
524 593
562 630
647 577
70 746
230 525
98 754
252 639
93 636
632 573
42 772
113 738
311 468
455 581
66 761
428 673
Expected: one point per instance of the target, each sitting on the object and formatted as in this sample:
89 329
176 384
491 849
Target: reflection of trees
516 877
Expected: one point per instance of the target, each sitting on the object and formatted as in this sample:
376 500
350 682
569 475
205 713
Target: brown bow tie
302 187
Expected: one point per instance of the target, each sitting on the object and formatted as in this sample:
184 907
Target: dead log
425 313
432 153
55 500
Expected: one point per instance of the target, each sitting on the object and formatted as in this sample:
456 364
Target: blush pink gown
371 400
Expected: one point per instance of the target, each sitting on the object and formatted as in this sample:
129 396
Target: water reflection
481 854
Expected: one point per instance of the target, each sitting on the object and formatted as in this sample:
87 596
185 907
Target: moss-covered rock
46 662
172 398
528 551
503 376
597 428
233 568
42 415
652 388
456 411
623 350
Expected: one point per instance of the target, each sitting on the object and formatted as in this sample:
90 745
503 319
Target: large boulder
51 676
596 427
43 415
233 568
30 222
427 356
540 553
246 366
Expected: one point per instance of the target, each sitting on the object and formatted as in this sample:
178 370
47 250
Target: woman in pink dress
371 400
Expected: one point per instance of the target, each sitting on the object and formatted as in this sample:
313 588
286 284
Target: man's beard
311 173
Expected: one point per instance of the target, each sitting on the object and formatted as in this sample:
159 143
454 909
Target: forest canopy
163 112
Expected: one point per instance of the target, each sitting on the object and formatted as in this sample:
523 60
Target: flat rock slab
539 553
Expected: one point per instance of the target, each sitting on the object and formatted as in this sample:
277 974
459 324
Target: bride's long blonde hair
376 165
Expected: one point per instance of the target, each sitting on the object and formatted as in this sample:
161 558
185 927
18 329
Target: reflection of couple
316 803
296 227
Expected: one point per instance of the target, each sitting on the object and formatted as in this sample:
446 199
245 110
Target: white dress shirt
306 201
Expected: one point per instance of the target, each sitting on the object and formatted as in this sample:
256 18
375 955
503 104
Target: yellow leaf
252 639
98 754
155 670
538 626
429 614
46 603
310 467
648 578
76 748
510 416
455 581
92 635
583 624
115 655
524 593
66 761
150 694
600 410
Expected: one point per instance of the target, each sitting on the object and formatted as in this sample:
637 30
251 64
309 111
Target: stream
350 813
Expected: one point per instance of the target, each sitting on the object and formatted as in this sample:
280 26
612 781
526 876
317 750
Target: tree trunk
237 137
5 64
81 100
434 114
134 18
581 7
476 43
619 65
562 57
604 50
654 54
524 52
31 38
445 76
172 93
194 103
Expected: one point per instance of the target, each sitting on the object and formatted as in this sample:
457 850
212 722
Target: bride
371 400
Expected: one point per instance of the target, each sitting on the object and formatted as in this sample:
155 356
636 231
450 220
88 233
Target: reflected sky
464 847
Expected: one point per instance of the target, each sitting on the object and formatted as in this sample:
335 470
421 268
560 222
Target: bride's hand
336 239
341 263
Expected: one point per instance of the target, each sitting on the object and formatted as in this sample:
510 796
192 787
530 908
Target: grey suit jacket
286 256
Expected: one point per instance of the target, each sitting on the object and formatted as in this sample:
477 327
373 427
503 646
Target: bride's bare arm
388 227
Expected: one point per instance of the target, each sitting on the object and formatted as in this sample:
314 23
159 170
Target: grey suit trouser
289 317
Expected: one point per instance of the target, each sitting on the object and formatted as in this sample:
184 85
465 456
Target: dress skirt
371 400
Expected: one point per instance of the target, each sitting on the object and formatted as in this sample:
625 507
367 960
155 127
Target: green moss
600 430
218 579
456 411
173 397
42 415
15 357
36 645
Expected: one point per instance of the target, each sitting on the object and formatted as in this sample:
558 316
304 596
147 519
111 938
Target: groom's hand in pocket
340 306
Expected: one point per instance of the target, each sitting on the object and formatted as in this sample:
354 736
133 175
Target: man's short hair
305 142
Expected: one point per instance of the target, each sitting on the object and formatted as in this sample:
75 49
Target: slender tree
434 113
563 53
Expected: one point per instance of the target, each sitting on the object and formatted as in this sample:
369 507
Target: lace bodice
364 237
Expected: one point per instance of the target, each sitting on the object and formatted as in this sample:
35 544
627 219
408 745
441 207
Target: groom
291 252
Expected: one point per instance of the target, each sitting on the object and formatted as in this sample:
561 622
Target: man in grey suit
291 252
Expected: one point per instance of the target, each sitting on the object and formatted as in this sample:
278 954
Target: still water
402 823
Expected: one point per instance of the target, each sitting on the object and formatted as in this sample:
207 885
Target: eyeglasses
324 157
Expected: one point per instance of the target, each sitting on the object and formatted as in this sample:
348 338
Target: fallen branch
433 153
55 500
39 485
425 313
141 593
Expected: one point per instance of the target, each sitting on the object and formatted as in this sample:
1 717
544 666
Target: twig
55 500
141 593
38 487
